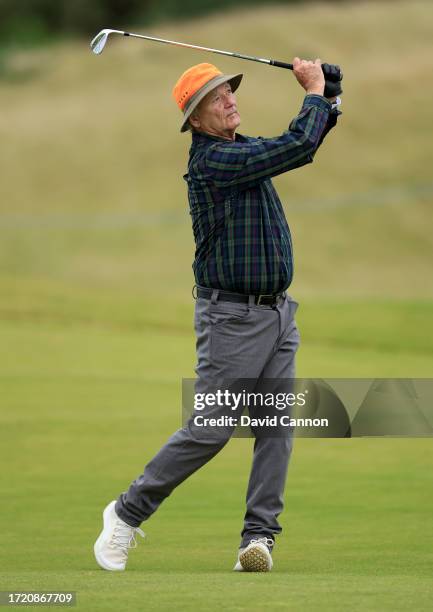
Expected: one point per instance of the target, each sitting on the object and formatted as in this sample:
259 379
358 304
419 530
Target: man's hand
309 75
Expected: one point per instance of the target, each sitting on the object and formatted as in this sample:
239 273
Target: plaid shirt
242 238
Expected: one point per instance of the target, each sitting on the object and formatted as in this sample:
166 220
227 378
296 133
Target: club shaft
210 50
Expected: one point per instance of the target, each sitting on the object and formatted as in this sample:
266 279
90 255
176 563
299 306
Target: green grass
96 314
85 406
357 528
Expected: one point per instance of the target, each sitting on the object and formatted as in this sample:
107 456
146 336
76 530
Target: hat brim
233 79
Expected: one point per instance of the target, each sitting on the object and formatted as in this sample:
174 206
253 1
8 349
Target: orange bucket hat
195 83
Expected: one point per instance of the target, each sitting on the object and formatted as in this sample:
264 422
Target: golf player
244 318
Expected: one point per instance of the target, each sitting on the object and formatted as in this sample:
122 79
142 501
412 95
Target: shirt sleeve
244 164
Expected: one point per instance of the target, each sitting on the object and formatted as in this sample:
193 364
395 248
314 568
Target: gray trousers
234 341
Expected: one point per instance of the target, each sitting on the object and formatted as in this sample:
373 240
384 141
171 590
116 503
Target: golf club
98 43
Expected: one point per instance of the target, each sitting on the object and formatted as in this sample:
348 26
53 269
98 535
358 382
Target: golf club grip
281 64
325 67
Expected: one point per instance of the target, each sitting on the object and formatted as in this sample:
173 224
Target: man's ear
194 120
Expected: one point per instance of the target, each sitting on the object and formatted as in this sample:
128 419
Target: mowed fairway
85 407
96 315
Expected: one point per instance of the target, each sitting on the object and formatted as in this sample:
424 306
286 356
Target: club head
98 43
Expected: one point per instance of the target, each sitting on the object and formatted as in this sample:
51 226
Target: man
244 319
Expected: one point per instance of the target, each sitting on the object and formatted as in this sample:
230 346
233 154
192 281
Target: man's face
217 113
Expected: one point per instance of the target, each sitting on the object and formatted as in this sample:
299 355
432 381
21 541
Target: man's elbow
307 147
309 151
308 159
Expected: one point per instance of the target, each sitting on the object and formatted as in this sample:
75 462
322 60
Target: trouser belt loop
251 300
214 297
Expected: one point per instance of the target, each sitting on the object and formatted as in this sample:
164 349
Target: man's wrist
318 91
318 101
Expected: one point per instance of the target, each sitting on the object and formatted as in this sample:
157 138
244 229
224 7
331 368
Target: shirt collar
201 138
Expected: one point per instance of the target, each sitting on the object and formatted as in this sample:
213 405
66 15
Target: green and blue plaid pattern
242 238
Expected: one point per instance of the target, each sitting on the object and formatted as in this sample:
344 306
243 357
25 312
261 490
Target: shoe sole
99 559
254 560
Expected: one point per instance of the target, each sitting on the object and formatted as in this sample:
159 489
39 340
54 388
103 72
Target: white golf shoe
238 567
116 538
255 557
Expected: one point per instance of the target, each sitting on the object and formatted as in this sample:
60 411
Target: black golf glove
332 89
333 78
